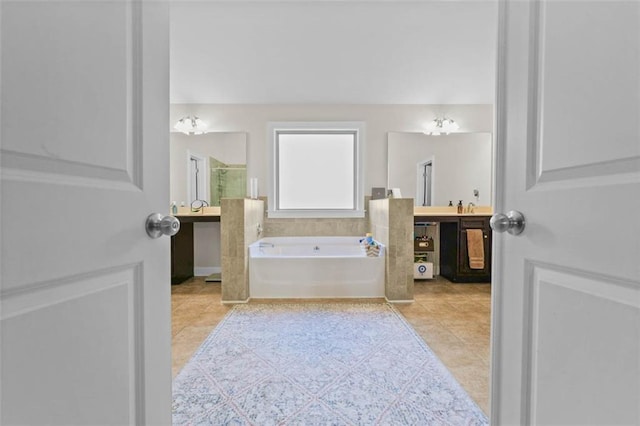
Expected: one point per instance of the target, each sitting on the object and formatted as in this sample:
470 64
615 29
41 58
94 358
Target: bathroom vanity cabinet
454 259
182 253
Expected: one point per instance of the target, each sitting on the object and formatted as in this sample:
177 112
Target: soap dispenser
460 207
174 208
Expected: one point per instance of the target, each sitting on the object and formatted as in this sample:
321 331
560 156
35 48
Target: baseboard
399 301
235 302
206 270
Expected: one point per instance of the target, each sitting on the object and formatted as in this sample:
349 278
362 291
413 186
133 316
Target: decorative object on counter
310 364
174 208
450 203
191 126
378 193
197 206
470 208
460 208
441 125
395 193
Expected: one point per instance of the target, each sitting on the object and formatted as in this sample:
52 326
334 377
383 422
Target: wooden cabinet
453 253
454 257
182 252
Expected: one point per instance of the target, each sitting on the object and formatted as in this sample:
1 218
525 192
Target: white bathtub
314 267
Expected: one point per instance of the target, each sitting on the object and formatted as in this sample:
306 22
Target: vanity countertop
451 211
205 211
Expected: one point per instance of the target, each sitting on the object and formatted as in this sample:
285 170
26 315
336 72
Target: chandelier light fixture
191 126
441 125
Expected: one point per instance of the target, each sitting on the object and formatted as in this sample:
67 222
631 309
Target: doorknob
158 225
512 222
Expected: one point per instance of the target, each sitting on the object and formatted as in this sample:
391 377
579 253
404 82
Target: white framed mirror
437 169
208 167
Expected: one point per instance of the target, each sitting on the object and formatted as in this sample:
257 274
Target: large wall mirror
437 169
208 167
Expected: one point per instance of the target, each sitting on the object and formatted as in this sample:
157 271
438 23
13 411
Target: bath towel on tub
475 248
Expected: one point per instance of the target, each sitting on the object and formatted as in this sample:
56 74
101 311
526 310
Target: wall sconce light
441 125
191 126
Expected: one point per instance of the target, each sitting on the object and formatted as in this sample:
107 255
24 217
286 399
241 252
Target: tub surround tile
241 220
323 227
232 232
312 227
392 224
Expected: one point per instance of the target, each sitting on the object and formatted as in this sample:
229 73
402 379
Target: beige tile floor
454 320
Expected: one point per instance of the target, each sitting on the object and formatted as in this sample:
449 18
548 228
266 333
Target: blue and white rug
318 364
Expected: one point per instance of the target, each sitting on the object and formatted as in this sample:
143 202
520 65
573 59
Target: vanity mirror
437 169
208 167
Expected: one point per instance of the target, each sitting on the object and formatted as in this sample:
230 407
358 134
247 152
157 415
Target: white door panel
71 42
570 346
85 295
588 83
43 328
566 336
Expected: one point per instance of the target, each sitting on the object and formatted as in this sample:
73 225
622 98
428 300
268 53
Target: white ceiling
342 52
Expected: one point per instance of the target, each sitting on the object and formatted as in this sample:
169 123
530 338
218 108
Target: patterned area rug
318 364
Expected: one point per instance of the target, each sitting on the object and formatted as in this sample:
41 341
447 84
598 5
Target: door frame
499 167
420 181
203 177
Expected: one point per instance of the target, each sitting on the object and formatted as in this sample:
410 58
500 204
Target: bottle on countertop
460 207
174 208
450 203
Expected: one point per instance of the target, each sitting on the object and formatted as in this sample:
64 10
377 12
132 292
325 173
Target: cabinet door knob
513 222
158 225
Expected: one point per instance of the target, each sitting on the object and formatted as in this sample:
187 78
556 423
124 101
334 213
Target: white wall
379 120
333 52
462 162
206 248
